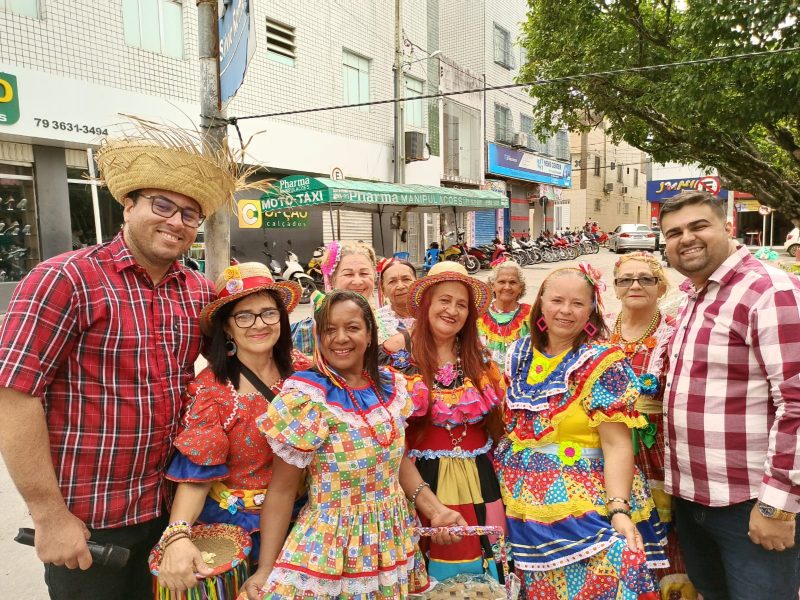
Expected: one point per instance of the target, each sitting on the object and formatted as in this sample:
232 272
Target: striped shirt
732 401
109 354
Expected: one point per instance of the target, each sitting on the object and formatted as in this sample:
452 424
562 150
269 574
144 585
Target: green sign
9 99
303 191
292 219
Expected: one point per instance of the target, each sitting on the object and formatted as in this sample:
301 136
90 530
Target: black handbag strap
254 379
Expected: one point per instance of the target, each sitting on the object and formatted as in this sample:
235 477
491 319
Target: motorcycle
294 272
500 253
314 268
459 252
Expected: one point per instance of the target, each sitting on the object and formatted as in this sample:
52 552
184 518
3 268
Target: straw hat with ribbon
238 281
450 271
152 155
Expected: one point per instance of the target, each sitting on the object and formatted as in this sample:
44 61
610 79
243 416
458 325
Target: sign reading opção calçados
9 99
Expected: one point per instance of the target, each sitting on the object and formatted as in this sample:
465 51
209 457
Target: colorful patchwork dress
550 467
221 443
451 449
648 360
353 538
498 330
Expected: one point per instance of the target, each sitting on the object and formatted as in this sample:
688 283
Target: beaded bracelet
174 538
413 498
175 528
618 511
618 500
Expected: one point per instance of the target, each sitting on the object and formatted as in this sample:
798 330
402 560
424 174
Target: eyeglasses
245 320
164 207
644 281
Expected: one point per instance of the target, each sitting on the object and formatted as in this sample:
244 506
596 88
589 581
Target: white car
792 241
632 236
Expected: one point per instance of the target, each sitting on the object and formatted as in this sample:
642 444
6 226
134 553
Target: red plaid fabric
732 402
109 354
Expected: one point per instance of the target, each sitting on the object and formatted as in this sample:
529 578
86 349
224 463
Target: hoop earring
590 329
541 324
230 347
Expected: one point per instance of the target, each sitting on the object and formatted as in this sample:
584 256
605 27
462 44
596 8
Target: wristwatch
770 512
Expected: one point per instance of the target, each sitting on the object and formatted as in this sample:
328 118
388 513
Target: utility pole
399 92
213 125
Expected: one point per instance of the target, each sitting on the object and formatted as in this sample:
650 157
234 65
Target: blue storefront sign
528 166
236 46
661 189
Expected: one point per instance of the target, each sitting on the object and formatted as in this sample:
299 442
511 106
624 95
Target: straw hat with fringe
450 271
238 281
151 155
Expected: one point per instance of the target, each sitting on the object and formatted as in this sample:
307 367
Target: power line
536 83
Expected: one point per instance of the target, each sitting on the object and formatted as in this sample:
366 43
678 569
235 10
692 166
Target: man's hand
772 534
61 539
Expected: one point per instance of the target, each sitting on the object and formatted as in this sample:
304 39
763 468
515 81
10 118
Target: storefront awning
303 192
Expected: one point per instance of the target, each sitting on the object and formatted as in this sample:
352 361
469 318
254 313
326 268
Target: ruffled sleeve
211 412
295 425
419 395
300 362
610 391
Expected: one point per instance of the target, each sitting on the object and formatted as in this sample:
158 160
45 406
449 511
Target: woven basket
231 545
473 588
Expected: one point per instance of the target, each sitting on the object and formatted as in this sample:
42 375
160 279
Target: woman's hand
394 343
254 584
446 517
623 525
180 565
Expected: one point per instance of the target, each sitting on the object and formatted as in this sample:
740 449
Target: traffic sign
764 210
337 174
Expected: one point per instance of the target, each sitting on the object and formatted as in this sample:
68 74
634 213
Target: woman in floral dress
642 331
223 465
456 394
344 421
506 320
573 496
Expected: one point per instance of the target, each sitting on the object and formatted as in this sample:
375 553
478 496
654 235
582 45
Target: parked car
632 236
792 241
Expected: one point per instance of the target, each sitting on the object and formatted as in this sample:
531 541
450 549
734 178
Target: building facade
609 183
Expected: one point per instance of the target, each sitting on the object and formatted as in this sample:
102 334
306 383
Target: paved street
21 576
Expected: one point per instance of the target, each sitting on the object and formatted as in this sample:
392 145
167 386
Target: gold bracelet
618 501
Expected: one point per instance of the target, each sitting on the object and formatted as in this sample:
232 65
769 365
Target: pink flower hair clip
330 260
595 279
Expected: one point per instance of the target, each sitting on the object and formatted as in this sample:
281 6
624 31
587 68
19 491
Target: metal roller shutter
354 226
485 226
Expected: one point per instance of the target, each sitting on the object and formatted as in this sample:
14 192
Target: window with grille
154 25
502 47
619 174
25 8
597 204
562 145
280 43
413 108
626 208
502 124
636 177
597 165
355 75
526 126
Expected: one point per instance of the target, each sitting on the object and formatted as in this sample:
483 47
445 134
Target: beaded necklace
362 413
447 377
647 340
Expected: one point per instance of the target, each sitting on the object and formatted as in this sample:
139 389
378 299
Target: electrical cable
536 83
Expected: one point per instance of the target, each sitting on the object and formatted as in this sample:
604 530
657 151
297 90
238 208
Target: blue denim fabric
724 564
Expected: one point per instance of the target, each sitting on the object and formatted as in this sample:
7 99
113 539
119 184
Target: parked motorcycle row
525 252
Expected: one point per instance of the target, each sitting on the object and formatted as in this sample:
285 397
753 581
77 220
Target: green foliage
741 117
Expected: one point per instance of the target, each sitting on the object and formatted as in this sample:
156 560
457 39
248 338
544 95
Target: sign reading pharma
9 99
237 43
661 189
528 167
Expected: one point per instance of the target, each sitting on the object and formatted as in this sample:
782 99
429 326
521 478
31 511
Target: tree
741 117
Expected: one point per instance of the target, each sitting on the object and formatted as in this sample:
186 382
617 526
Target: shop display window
19 230
81 211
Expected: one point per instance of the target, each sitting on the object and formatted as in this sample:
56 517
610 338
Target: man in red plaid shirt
95 349
732 409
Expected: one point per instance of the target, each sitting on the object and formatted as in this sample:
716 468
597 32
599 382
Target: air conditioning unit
624 189
415 146
608 188
520 140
